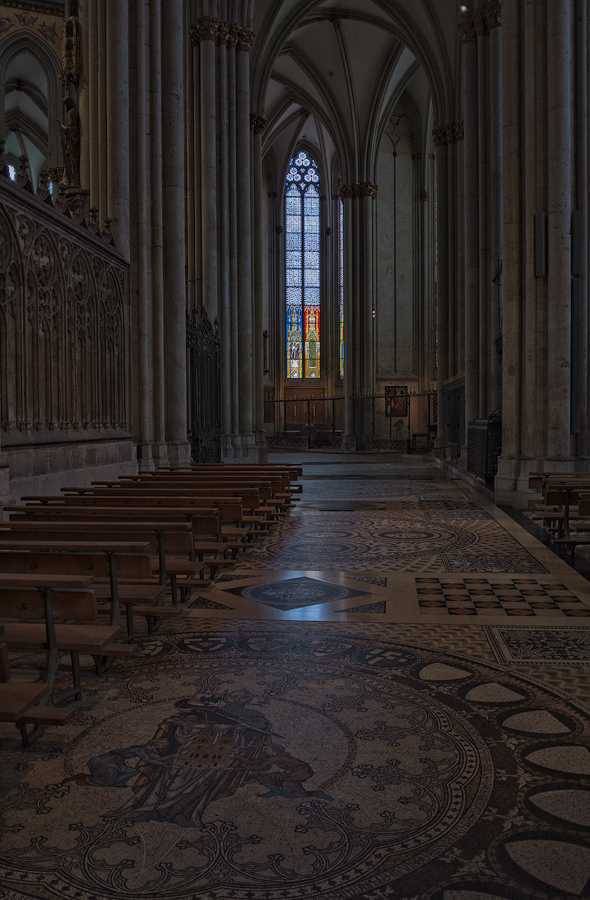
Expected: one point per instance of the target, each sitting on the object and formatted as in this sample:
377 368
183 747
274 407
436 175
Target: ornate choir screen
303 267
63 328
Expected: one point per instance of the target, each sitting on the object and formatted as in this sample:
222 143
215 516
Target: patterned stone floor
351 714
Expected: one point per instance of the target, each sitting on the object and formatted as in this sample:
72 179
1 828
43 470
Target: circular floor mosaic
259 761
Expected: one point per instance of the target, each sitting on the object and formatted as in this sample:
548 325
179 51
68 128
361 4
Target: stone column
117 81
559 142
101 110
206 29
258 123
84 95
234 239
174 234
368 192
159 447
470 113
441 152
142 374
349 354
226 203
495 189
244 249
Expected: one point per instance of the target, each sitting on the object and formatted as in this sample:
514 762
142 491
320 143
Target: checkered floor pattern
511 597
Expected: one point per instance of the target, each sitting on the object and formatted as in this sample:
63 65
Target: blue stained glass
302 219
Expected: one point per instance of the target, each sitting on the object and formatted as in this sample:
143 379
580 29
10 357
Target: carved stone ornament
493 13
467 29
64 292
223 32
71 61
424 195
479 21
257 123
205 29
440 136
245 39
448 134
458 132
357 190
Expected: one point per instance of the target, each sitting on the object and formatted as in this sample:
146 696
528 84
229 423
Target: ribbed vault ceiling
334 71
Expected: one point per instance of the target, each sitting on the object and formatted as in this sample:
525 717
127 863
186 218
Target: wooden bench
19 702
43 598
171 541
122 572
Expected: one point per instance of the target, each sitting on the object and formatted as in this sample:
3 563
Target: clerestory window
303 267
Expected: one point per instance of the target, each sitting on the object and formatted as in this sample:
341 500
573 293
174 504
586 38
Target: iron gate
304 423
399 422
204 388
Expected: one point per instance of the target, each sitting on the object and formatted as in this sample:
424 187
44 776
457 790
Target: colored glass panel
302 220
294 342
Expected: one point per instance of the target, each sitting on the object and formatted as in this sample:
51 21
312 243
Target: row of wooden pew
564 507
116 551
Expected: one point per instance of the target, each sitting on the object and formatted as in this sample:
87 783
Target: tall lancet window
303 267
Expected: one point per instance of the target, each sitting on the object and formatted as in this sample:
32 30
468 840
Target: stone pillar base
5 498
349 442
262 447
249 448
511 486
179 453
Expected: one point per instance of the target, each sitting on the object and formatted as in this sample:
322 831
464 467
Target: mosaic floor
351 714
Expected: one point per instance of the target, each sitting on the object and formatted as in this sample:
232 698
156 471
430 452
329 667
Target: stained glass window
12 173
302 212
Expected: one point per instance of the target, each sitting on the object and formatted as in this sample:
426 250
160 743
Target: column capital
480 21
440 137
467 29
357 190
493 14
257 123
205 29
245 39
448 134
368 189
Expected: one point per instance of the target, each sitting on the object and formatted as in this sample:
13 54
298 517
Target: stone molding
360 189
481 21
207 28
257 123
448 134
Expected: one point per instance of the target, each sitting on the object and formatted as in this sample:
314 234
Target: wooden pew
172 538
124 566
45 597
19 702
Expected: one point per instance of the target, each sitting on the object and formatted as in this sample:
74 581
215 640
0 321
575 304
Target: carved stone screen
63 330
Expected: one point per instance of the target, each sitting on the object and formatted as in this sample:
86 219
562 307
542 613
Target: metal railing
400 422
